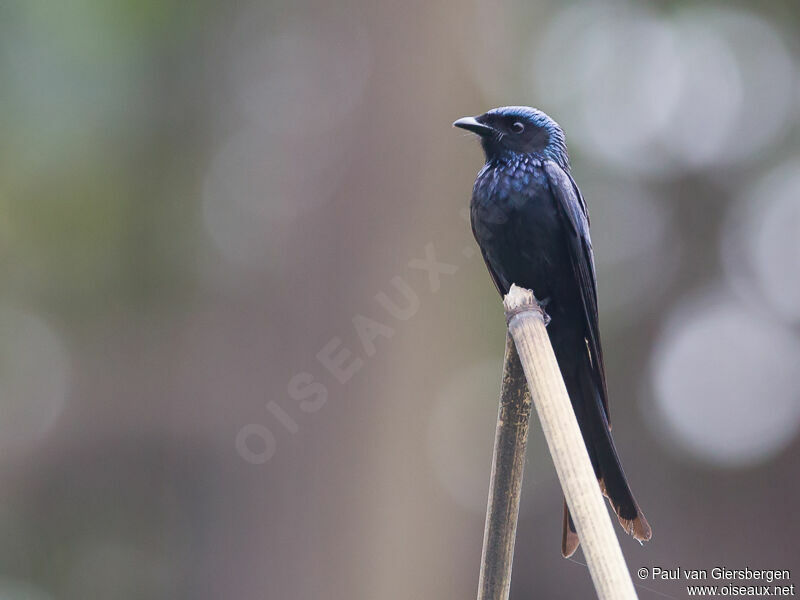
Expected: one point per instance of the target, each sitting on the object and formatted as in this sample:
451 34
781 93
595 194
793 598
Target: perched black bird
531 223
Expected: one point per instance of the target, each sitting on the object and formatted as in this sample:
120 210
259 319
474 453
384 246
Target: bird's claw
542 306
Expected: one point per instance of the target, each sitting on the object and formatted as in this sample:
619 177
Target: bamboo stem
508 462
526 324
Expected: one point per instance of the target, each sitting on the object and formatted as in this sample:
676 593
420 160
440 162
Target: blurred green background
197 199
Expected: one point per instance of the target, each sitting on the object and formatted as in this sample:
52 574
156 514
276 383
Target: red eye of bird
517 127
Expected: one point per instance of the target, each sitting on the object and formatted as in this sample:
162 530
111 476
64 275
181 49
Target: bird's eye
517 127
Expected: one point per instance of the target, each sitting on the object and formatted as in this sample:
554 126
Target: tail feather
613 483
569 539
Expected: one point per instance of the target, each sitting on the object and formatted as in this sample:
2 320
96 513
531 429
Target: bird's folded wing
573 210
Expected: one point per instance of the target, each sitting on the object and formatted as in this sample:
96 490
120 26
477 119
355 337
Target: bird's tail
613 483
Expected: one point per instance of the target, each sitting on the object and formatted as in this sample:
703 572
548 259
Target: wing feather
573 210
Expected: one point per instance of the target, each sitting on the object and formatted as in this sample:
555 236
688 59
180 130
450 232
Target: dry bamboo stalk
508 462
526 324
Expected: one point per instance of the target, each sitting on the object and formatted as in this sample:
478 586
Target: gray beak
472 124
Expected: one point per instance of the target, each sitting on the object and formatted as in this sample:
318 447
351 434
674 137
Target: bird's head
513 130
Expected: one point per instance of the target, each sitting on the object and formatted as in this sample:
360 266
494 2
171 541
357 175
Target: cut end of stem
519 300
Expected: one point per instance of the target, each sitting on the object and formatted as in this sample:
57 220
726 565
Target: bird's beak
473 125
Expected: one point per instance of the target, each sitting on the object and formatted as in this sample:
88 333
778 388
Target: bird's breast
517 226
515 203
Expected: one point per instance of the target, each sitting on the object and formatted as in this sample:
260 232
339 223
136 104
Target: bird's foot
543 305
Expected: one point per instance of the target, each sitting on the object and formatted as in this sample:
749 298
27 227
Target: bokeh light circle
761 242
763 82
660 94
724 379
615 76
710 101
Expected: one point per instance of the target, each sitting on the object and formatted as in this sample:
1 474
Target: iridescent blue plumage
555 148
